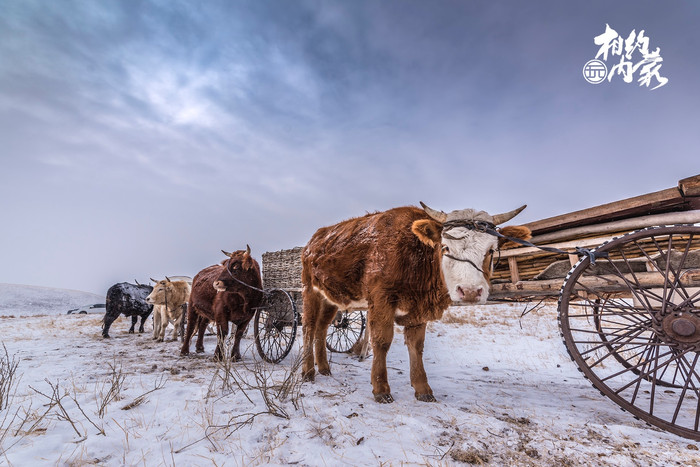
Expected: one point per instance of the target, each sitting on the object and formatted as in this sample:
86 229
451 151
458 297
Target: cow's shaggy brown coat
217 297
391 260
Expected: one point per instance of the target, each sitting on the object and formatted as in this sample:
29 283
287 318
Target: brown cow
225 292
406 265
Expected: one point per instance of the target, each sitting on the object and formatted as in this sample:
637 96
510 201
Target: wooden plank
513 266
604 283
626 225
569 246
690 186
661 201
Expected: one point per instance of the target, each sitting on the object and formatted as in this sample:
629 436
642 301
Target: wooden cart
631 319
629 316
275 324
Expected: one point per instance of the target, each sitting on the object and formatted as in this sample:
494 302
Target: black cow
129 300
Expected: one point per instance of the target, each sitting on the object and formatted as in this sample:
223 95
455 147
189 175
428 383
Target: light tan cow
168 298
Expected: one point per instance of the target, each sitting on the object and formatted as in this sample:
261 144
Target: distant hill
22 300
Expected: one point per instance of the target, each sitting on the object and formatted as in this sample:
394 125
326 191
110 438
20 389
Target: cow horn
167 278
226 253
247 249
499 219
153 280
437 215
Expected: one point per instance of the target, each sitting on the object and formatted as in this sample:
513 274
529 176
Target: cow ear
515 231
428 231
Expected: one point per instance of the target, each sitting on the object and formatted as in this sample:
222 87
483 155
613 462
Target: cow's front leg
415 338
382 333
240 330
156 324
163 326
134 318
222 333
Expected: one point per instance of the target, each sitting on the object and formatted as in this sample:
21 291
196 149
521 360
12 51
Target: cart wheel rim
275 326
651 333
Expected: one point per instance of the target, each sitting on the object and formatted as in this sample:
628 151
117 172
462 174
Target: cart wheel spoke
345 330
640 305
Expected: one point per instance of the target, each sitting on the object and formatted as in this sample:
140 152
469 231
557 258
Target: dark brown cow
406 265
225 292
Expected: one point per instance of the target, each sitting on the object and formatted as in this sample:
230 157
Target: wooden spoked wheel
275 326
345 330
631 322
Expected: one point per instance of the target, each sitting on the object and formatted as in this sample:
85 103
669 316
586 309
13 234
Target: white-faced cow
168 298
406 265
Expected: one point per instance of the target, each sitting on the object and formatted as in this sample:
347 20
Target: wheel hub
681 328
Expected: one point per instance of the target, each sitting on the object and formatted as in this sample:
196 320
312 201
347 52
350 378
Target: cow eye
445 249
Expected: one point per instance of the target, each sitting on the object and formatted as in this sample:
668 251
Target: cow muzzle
471 295
219 286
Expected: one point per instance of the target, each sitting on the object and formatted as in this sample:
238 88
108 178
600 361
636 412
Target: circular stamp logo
595 71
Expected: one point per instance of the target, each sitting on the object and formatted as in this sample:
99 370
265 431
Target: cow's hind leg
381 327
176 327
325 318
312 309
201 324
107 322
192 322
134 319
415 338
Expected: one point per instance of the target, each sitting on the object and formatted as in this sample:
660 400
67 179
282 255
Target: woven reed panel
282 269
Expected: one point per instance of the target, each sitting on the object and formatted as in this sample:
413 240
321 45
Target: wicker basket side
282 269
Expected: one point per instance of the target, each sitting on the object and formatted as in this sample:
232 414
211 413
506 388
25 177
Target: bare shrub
274 384
8 372
109 390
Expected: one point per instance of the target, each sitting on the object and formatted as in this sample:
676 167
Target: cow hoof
426 398
308 377
384 398
325 371
106 336
236 358
198 350
184 353
131 331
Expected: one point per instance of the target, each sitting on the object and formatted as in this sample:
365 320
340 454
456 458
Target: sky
139 138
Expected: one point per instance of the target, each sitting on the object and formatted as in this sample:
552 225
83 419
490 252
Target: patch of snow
507 393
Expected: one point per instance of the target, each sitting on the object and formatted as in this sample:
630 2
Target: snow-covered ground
507 395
